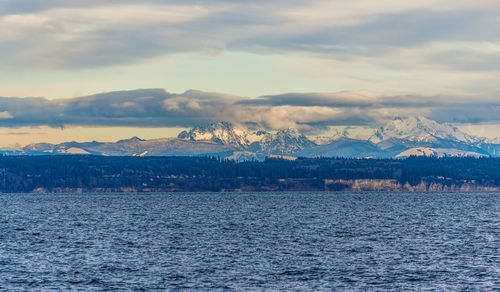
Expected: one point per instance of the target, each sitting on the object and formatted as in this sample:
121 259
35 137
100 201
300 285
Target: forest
80 173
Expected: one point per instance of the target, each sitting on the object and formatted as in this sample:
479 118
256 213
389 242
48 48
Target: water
264 241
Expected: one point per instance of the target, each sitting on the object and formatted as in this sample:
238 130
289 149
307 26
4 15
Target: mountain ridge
396 139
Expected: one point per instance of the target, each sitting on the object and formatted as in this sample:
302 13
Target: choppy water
265 241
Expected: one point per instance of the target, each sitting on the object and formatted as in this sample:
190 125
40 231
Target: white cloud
5 115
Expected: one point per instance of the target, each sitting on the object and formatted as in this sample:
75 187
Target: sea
372 241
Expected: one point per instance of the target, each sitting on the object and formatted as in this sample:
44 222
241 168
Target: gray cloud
68 34
309 111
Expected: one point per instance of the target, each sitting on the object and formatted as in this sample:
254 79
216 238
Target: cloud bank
73 34
308 111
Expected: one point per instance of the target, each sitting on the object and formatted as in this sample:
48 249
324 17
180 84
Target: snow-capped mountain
343 133
438 152
284 142
414 136
345 147
492 140
134 147
420 129
223 133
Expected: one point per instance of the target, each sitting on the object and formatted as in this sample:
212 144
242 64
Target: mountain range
414 136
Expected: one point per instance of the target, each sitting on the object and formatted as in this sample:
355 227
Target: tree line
100 173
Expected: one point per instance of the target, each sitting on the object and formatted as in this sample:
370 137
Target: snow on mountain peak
285 142
419 129
290 132
281 142
438 152
224 133
344 132
492 140
133 139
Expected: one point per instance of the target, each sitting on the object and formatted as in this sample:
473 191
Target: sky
107 70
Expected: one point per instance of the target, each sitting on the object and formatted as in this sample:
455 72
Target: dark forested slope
144 174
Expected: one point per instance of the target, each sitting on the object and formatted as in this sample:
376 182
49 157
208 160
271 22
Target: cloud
5 115
90 33
99 35
308 111
416 46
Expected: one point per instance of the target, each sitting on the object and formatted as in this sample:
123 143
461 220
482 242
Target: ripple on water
270 241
